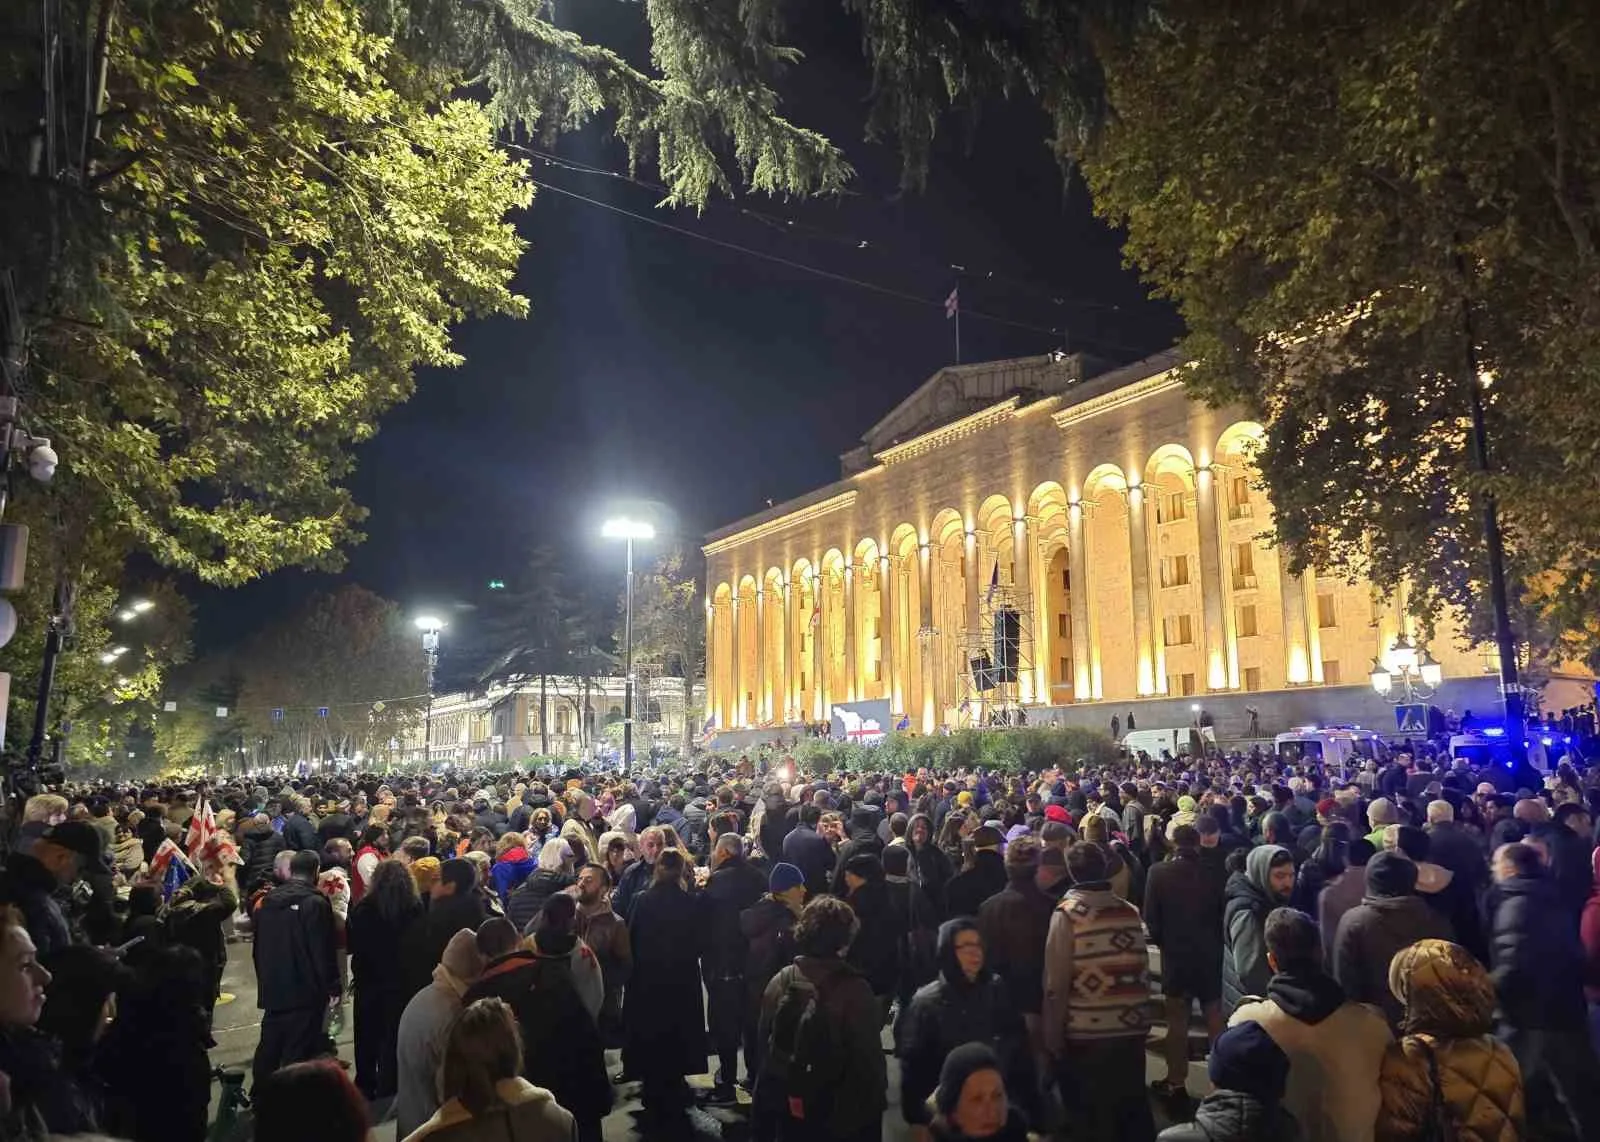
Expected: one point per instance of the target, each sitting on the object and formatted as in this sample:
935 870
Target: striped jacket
1097 970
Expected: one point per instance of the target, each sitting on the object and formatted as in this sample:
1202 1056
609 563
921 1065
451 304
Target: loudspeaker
982 673
1007 644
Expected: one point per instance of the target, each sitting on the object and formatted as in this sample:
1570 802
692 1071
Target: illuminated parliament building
1030 535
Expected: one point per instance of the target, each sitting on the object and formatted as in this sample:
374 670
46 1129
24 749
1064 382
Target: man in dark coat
966 1003
876 949
862 840
733 886
662 1011
561 1046
971 887
1183 904
1015 923
298 831
297 975
453 904
1538 981
809 851
259 846
1390 917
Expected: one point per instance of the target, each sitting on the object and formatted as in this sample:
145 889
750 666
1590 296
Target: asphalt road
237 1023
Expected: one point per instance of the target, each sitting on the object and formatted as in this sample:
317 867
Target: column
888 600
819 626
737 719
1297 650
852 684
1308 595
1083 688
713 692
925 636
1139 564
1022 587
1217 649
789 697
763 698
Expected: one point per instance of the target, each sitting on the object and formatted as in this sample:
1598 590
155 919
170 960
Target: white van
1178 742
1332 747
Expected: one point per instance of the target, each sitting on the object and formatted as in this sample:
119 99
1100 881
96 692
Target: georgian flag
952 304
202 827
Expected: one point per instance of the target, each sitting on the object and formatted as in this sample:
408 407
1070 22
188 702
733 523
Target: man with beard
605 933
733 886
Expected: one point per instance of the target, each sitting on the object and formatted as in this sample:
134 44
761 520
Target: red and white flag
202 827
952 304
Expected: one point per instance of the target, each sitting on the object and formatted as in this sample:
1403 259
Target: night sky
658 366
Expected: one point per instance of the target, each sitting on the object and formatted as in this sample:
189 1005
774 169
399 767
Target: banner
861 722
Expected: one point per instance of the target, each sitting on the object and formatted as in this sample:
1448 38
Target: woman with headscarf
1446 1064
929 871
1265 884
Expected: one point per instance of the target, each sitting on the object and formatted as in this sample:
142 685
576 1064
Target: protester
1390 917
1015 925
453 904
733 887
309 1102
424 1026
971 1100
378 925
297 975
598 926
1183 899
1248 1074
1265 884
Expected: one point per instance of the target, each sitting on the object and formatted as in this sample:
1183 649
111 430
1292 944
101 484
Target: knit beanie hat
1391 874
1245 1059
896 860
959 1066
784 877
461 958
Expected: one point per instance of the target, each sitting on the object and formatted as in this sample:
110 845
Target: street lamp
1418 674
627 530
134 609
430 628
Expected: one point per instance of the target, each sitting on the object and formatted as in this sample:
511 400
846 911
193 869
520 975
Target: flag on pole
994 584
202 827
952 304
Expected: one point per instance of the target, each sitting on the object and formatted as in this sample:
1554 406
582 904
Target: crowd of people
1402 953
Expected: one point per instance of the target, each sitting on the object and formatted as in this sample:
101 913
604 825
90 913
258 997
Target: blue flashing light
1547 741
1494 731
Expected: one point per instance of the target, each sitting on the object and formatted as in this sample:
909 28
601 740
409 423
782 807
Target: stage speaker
982 668
1007 644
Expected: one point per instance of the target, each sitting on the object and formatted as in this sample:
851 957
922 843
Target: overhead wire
830 275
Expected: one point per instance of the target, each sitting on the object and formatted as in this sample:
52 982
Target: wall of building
1116 518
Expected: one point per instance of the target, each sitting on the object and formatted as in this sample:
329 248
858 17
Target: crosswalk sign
277 713
1412 718
322 711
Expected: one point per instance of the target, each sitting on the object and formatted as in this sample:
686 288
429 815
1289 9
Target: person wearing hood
1248 1073
971 1100
297 971
561 1047
1265 884
513 864
1096 1004
1537 971
554 873
967 1003
1446 1060
488 815
1334 1046
985 877
862 838
1391 916
423 1027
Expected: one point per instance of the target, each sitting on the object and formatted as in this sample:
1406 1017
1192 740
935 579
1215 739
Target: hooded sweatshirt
1248 899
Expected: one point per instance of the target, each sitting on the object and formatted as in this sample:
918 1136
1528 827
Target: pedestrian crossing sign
1412 718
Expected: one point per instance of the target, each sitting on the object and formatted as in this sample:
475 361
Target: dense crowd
1400 953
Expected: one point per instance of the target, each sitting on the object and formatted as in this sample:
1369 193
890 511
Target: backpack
801 1063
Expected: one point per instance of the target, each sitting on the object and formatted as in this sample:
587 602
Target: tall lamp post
1413 668
627 530
430 628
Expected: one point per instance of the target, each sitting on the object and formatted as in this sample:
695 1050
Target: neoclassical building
1032 532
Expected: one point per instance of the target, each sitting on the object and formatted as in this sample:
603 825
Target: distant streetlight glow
113 654
429 623
619 527
622 528
430 628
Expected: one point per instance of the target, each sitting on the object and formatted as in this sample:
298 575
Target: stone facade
1106 523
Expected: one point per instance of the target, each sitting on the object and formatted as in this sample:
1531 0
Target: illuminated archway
723 685
948 590
774 645
807 618
1176 604
745 703
872 670
1051 594
1113 656
835 684
905 596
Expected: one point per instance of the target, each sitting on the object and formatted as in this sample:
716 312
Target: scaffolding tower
995 656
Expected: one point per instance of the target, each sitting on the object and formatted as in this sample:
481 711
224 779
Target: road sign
277 713
169 706
322 711
1412 718
222 711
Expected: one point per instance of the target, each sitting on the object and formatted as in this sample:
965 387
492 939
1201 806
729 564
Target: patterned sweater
1097 970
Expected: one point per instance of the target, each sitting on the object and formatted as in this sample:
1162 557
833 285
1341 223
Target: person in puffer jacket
1449 1012
513 864
1249 1072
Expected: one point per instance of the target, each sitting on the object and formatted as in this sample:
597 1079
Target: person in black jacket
453 904
1183 904
733 886
768 929
862 839
378 924
259 846
876 949
967 1003
297 973
809 850
1016 924
1538 982
561 1046
971 887
298 831
1249 1073
157 1071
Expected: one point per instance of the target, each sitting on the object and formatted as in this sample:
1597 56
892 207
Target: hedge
1014 750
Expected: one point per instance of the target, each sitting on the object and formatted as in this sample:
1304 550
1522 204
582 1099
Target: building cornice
945 434
1164 381
782 523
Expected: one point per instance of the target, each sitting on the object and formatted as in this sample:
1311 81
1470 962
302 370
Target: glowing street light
430 628
627 530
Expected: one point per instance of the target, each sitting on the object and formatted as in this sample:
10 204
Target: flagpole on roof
952 310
